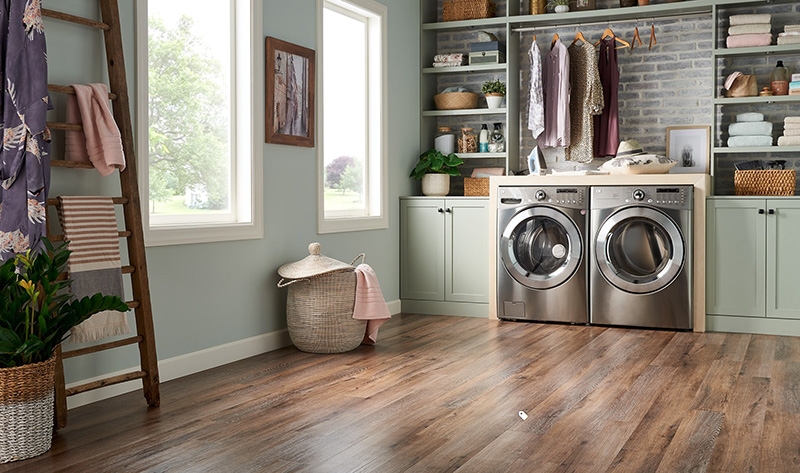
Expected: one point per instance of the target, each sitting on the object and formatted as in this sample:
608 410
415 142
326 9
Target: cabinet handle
440 210
449 211
761 211
772 211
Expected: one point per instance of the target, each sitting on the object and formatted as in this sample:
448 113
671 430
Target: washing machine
641 256
542 254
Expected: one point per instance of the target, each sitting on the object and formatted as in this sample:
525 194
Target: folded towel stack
790 35
747 31
791 132
750 130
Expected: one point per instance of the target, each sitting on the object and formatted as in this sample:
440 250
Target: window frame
376 162
246 197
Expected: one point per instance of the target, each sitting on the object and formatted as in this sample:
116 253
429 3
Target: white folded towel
789 141
791 28
751 19
750 117
791 121
791 132
788 40
750 29
750 128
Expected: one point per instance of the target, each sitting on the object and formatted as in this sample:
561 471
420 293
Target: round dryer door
639 250
541 248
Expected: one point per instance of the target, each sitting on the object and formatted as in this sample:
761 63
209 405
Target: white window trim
378 108
209 232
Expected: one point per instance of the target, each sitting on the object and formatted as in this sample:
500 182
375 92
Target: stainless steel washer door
639 250
541 248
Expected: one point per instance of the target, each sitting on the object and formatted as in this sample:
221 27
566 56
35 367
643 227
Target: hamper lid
315 264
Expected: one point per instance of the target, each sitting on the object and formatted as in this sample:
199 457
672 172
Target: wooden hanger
555 38
610 34
653 41
579 36
636 37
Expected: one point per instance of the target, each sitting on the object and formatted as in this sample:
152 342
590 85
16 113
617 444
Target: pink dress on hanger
606 126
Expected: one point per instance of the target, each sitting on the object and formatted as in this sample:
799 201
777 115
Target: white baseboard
191 363
185 365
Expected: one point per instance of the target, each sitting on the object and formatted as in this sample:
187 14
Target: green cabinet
444 250
753 259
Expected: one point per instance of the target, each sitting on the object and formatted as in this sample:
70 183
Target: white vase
435 184
561 8
494 100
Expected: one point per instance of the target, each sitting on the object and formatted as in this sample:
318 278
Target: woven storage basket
455 10
537 7
456 100
767 182
627 3
476 186
26 410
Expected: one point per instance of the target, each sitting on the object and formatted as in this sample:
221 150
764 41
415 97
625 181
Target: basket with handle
765 182
319 304
455 10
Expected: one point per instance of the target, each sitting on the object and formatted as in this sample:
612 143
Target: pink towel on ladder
100 142
370 305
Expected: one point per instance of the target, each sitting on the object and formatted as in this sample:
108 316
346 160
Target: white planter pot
561 8
435 184
494 101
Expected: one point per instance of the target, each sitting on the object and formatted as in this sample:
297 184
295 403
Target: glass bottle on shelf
445 141
779 80
497 142
467 142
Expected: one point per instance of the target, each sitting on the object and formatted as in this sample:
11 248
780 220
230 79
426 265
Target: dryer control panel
671 197
565 197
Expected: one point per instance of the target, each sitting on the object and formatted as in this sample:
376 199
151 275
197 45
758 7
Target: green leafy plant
552 4
433 161
35 312
494 87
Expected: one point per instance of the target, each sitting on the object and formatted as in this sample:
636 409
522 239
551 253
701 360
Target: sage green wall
206 295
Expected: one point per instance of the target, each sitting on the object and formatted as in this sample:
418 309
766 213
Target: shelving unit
462 69
755 149
457 113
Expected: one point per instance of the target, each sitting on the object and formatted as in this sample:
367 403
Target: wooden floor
442 394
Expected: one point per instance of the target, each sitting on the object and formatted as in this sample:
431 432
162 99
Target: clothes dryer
641 256
542 254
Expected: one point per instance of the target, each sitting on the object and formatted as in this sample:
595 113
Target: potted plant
494 90
435 169
558 6
36 315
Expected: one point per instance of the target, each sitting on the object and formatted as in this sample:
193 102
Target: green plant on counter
493 87
433 161
35 313
554 3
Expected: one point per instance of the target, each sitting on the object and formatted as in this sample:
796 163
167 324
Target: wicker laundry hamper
319 306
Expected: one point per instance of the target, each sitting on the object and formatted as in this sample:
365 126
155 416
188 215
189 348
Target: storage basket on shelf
476 186
766 182
319 306
455 10
456 101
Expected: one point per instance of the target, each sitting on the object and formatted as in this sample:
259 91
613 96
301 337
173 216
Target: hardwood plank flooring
442 394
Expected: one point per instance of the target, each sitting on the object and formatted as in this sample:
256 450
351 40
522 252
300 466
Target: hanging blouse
556 98
586 100
606 126
536 95
24 157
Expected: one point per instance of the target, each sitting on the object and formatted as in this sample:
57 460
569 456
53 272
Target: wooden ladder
145 335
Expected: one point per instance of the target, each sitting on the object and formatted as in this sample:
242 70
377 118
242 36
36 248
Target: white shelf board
498 21
481 155
758 51
474 68
749 100
457 113
756 149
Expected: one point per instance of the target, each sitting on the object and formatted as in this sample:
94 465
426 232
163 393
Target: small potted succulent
36 315
558 6
435 169
494 90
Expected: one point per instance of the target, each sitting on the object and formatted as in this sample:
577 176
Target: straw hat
315 264
629 148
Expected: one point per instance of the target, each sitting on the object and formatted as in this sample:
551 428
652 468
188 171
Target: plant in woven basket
433 161
494 87
36 313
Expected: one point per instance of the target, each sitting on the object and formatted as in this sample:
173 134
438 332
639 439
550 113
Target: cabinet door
467 251
783 259
422 249
736 280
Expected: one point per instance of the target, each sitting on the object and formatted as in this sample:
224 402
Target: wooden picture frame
690 146
290 84
582 5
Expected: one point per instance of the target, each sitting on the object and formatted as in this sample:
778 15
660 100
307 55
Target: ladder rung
64 126
67 89
75 19
125 234
117 201
63 163
105 382
101 347
125 270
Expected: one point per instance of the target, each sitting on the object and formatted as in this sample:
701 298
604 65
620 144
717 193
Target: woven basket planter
456 10
767 182
26 410
456 101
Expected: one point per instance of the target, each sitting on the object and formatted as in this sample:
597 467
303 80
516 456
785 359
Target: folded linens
749 40
750 117
750 19
749 29
750 128
788 40
789 141
749 141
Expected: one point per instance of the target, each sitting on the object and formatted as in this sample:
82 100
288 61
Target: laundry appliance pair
603 255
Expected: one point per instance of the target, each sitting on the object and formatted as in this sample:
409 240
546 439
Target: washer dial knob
639 195
540 195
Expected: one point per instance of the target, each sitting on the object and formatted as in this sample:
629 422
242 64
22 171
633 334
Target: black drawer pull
772 211
761 211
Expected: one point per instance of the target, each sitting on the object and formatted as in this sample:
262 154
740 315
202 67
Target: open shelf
757 149
757 51
498 21
750 100
470 111
474 68
481 155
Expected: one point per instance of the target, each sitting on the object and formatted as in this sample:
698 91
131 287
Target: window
199 67
352 149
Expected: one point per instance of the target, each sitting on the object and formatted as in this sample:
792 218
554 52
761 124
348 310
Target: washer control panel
673 197
567 197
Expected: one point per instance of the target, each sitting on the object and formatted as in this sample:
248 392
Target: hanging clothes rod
581 24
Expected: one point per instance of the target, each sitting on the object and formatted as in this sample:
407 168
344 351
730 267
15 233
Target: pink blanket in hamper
370 305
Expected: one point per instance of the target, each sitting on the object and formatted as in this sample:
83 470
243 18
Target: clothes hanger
653 41
610 34
555 38
579 36
636 37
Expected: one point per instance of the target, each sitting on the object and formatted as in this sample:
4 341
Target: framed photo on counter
690 146
290 94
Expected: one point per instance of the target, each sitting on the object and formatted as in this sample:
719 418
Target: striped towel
90 225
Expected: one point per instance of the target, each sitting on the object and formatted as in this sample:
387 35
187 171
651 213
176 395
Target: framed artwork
584 5
690 146
290 93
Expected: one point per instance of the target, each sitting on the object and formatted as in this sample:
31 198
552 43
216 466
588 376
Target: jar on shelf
445 141
468 141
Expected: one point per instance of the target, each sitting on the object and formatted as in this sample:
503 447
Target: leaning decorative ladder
145 337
